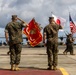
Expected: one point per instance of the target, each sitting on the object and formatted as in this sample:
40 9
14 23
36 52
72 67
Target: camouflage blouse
14 30
51 31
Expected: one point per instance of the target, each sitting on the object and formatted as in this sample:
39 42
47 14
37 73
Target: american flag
72 25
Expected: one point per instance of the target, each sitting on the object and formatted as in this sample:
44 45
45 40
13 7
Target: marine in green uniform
69 45
50 33
13 34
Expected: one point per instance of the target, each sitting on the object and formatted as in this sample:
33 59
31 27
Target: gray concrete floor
36 58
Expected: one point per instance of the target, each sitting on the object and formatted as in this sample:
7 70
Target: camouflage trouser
70 48
15 55
52 52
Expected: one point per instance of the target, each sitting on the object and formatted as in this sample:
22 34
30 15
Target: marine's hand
22 21
8 43
18 18
45 44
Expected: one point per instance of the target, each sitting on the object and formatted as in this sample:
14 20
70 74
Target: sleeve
6 28
60 27
22 25
44 30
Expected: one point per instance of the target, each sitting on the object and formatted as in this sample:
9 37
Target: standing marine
50 33
13 35
69 45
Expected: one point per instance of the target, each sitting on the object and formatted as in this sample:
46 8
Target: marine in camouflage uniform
69 45
50 33
13 31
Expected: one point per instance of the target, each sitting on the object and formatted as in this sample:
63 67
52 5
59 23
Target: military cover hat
51 17
14 16
70 34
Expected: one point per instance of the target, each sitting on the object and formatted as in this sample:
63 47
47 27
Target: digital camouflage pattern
51 31
14 30
15 53
69 44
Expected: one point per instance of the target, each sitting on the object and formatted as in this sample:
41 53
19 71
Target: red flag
33 33
72 25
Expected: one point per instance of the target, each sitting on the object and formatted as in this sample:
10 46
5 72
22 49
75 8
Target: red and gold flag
32 31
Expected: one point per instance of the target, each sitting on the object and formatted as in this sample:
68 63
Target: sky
38 9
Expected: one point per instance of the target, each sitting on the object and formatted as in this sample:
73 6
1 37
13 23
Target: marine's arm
60 27
71 40
23 22
44 36
6 36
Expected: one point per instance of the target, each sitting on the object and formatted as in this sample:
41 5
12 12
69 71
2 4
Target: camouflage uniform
52 43
14 30
69 44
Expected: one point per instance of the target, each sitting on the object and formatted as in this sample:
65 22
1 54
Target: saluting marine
13 34
50 33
